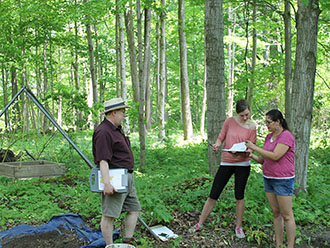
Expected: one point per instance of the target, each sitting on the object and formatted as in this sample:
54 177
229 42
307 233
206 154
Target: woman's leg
240 207
207 209
220 180
241 178
278 218
285 205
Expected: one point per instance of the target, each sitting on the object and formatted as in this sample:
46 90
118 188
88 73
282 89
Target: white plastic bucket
120 246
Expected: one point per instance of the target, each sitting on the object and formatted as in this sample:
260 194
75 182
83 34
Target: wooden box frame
29 169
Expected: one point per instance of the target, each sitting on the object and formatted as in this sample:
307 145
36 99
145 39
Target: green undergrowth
174 179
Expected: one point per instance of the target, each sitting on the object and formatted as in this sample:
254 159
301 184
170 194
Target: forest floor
211 236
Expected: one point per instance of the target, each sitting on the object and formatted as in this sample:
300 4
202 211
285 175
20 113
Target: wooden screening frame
37 168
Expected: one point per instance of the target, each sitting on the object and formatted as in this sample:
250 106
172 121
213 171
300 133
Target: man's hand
109 189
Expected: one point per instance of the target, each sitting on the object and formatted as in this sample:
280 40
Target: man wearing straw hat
112 149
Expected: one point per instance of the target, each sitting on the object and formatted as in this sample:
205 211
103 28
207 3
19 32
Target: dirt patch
53 239
220 236
213 235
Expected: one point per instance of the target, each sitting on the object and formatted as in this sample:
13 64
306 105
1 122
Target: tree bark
231 64
303 85
215 77
123 84
288 62
92 66
162 75
146 69
254 55
5 93
60 76
45 122
202 124
132 52
76 71
184 81
144 77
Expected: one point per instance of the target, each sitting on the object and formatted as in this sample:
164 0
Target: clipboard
118 178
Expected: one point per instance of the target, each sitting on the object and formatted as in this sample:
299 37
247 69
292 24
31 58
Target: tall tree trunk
60 76
99 71
162 75
5 93
184 81
92 66
38 82
215 76
76 72
118 88
122 57
25 112
288 62
148 99
132 51
303 85
231 63
45 122
202 124
254 54
139 38
142 88
89 93
147 59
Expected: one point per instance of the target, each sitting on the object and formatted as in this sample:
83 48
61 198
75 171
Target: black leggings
222 177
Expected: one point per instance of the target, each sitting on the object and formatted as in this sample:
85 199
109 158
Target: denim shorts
283 187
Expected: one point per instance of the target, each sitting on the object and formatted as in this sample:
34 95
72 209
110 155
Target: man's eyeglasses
268 122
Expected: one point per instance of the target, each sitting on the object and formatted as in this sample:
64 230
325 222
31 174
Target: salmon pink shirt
231 133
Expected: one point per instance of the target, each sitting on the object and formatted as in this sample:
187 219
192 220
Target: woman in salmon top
236 129
277 158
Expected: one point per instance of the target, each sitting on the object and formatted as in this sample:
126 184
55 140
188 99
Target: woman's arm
260 160
275 155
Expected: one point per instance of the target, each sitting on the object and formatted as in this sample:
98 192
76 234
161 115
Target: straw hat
113 104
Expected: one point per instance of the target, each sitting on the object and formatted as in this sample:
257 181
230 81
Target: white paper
163 233
115 179
238 147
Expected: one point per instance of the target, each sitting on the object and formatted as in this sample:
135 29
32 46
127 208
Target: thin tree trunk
303 86
202 124
215 78
76 73
231 64
5 93
132 52
162 75
118 71
254 55
288 62
142 88
59 109
92 66
122 57
147 59
38 82
139 39
45 122
184 81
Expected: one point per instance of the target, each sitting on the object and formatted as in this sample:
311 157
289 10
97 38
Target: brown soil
52 239
211 236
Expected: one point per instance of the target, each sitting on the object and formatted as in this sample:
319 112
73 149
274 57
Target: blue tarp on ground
67 221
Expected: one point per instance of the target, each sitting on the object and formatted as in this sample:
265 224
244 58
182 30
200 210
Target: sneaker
196 228
239 232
